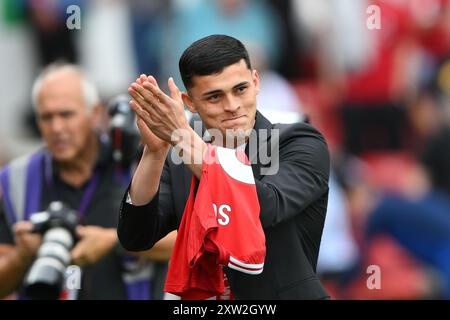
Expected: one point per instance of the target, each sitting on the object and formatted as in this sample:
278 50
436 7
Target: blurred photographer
76 167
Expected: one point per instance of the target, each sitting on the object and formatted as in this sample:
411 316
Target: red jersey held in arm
220 227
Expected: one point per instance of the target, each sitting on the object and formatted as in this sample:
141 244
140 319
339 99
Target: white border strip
256 271
246 265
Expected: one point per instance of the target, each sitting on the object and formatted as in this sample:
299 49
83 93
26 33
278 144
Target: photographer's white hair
89 90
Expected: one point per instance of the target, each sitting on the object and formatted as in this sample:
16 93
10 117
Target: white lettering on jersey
224 217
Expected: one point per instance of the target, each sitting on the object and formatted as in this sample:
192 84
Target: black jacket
293 206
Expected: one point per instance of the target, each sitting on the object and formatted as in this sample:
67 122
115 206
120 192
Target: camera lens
46 276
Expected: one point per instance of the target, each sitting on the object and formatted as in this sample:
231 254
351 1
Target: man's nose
231 104
56 125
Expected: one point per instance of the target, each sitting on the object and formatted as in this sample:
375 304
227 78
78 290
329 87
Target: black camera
45 278
123 131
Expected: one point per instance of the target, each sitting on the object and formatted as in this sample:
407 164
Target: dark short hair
210 55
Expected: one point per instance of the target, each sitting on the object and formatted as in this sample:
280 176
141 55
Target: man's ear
255 76
188 102
97 115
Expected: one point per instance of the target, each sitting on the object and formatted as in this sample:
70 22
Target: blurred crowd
379 94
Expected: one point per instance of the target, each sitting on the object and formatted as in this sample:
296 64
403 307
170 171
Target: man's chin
62 157
236 136
238 131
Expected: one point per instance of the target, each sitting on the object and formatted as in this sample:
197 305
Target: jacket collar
258 143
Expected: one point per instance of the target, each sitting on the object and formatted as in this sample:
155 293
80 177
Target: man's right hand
153 144
27 243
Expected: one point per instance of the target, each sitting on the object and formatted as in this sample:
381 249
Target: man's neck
79 171
231 142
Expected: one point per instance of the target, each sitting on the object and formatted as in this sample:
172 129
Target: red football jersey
220 227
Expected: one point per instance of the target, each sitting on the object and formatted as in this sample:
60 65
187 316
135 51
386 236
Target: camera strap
21 185
88 193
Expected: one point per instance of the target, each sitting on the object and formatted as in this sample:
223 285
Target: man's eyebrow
43 114
240 84
216 91
212 92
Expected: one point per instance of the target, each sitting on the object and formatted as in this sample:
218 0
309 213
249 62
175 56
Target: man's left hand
95 243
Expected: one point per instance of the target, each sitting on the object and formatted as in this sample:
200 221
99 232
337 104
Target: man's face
63 119
226 101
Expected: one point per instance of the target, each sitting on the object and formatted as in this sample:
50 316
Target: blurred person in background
419 222
277 98
429 116
367 73
373 109
407 232
106 40
253 21
290 44
148 18
385 269
339 252
75 167
51 37
54 40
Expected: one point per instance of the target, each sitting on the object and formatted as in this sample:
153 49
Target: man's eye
67 114
44 117
213 98
241 89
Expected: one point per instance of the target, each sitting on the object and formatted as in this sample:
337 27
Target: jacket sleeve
302 177
140 227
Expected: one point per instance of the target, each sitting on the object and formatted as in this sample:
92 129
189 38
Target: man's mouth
232 119
59 144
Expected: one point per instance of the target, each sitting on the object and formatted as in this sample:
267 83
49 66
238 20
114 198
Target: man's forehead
64 82
62 75
59 107
226 79
60 97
